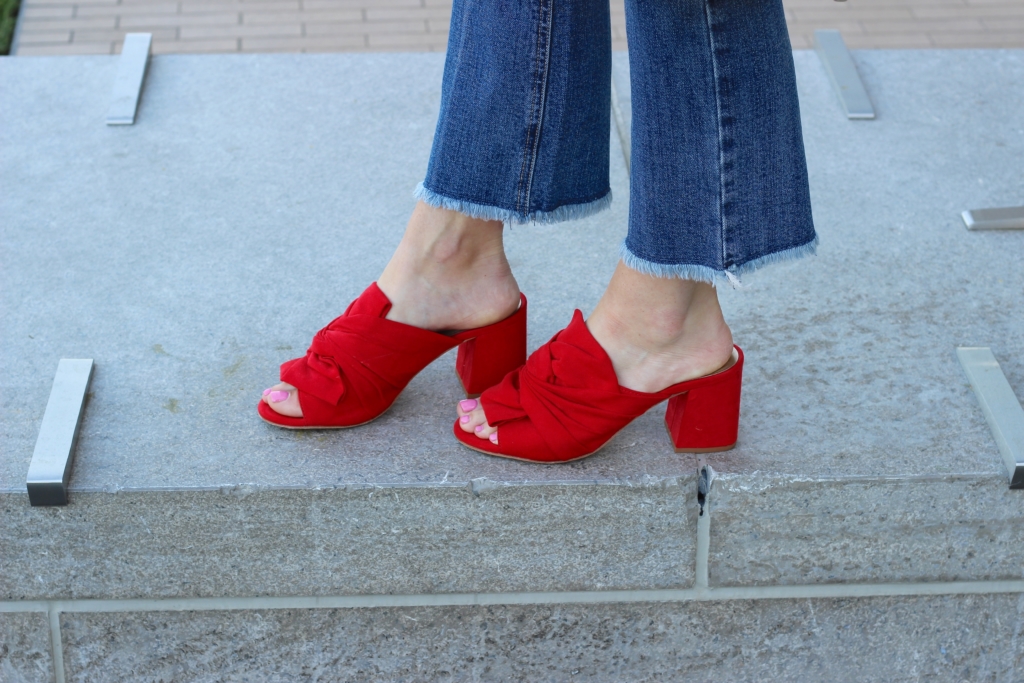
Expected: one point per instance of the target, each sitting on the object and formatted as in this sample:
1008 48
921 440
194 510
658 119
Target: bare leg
448 273
657 332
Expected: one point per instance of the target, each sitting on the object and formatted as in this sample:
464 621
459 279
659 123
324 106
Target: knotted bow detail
568 394
363 357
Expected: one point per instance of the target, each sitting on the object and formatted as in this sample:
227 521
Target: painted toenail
478 429
278 396
464 419
468 404
494 438
267 391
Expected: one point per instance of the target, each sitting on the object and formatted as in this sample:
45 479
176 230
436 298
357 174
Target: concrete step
865 509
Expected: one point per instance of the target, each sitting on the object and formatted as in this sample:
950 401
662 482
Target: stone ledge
946 638
781 531
360 540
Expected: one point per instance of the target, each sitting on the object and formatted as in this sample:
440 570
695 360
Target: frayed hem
569 212
792 254
689 271
683 271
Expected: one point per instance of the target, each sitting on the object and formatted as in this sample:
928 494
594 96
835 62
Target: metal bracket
131 70
843 73
50 469
999 404
1010 218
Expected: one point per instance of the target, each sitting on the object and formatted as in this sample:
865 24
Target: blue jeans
718 178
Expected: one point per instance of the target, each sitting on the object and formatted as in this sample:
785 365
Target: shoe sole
303 427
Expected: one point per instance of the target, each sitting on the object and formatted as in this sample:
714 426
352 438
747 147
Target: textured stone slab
25 648
192 253
948 638
243 169
776 530
358 541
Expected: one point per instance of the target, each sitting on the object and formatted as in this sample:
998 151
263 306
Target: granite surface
193 252
851 366
368 540
946 638
774 530
25 648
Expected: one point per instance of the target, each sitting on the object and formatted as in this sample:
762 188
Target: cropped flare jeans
718 178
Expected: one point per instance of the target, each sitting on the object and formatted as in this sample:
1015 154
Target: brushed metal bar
131 70
843 73
50 469
1009 218
999 404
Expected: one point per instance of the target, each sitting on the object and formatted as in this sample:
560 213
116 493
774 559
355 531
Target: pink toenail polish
464 419
494 438
267 391
278 396
478 429
468 404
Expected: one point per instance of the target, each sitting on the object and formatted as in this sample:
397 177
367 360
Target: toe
472 418
283 399
479 424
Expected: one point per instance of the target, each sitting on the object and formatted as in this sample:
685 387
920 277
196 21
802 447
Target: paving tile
365 28
111 35
989 39
202 6
68 24
65 49
44 37
330 43
308 18
237 31
141 22
211 45
29 12
125 10
922 25
397 13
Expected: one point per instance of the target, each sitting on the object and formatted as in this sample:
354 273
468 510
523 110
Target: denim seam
540 91
721 133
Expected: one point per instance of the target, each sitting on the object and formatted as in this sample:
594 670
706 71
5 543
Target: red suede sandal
566 403
359 364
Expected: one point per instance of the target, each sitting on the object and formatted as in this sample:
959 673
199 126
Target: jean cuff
566 212
699 273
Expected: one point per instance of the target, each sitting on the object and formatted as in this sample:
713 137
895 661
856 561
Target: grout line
700 581
56 645
828 590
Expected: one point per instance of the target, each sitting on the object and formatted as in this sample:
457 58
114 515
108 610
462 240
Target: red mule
566 403
359 364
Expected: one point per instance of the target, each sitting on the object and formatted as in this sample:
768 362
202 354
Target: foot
657 332
448 273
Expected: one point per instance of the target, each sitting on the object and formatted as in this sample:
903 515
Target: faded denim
718 178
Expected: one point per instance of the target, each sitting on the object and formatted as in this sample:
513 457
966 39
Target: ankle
449 239
449 272
660 331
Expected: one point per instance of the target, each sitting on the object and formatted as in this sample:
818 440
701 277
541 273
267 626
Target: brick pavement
61 27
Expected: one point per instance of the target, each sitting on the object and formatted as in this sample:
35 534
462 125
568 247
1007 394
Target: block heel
706 418
495 351
565 403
